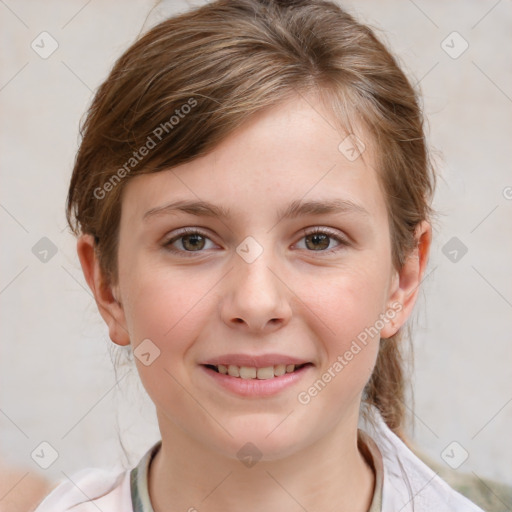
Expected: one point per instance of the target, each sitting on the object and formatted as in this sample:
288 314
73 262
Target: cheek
346 316
345 320
155 292
348 302
166 308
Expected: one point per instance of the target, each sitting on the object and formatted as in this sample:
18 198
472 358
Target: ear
406 283
105 296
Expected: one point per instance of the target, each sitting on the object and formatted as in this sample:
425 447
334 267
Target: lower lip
257 387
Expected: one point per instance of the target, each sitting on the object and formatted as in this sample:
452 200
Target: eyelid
329 231
181 233
342 240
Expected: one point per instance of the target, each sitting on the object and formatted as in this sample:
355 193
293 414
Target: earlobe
107 302
406 283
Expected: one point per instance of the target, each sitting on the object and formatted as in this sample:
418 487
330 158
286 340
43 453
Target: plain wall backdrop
58 384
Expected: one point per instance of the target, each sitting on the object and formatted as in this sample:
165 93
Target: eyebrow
294 209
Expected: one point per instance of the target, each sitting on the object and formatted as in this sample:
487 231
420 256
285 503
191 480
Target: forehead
287 152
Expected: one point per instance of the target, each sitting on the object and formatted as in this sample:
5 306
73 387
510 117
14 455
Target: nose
256 297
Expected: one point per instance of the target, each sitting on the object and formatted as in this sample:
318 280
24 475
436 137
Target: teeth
233 370
279 369
248 372
265 373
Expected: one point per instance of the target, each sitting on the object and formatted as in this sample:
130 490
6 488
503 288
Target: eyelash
192 231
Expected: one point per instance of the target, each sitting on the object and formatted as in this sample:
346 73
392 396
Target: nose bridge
253 270
256 296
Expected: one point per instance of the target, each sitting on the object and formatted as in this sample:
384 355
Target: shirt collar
139 474
139 481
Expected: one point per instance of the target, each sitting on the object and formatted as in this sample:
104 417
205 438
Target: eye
190 240
318 240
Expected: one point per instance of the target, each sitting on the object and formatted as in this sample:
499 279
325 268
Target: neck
185 475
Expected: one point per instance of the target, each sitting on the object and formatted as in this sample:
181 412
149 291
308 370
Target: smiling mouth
249 372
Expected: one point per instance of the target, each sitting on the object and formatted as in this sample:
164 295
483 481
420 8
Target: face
299 288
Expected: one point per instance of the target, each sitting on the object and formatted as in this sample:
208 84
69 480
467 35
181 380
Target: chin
265 439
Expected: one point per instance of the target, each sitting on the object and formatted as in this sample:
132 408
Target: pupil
194 243
319 237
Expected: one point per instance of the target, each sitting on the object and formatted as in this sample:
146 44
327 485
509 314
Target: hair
190 81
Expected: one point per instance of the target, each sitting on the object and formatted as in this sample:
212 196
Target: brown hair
186 84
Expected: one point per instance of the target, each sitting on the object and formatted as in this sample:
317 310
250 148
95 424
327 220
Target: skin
21 490
293 299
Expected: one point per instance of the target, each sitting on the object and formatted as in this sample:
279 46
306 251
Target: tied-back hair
199 75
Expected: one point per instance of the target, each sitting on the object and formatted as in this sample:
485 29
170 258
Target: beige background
57 379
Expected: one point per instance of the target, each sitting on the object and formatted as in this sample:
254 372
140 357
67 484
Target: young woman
252 200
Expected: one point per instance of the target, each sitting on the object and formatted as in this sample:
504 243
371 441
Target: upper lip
261 361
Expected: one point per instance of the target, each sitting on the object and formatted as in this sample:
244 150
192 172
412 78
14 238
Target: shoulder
90 489
488 494
21 489
409 484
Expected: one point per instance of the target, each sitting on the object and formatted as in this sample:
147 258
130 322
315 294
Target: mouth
255 377
253 373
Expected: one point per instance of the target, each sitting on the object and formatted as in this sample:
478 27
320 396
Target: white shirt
408 485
